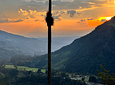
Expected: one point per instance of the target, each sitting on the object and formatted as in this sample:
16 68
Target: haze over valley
20 45
82 42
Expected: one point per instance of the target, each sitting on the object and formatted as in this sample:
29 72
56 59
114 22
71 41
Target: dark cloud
103 20
62 12
57 17
82 20
20 20
39 0
43 15
36 20
58 13
9 21
71 12
4 21
90 19
78 13
85 20
38 5
32 1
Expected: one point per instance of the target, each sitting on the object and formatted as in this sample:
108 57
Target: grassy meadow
23 68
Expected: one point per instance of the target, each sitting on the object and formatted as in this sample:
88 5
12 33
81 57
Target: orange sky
76 22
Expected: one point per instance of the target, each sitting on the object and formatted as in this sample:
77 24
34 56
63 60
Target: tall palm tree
50 21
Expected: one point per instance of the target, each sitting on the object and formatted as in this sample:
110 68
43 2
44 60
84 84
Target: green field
22 68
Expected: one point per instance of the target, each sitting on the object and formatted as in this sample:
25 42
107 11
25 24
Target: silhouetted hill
85 54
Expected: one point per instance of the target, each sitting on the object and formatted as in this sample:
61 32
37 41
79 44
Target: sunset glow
73 18
106 18
114 1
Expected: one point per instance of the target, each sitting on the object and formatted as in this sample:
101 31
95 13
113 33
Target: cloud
24 12
66 0
10 21
103 20
82 20
86 2
78 13
20 20
90 19
32 12
58 13
27 18
91 3
71 12
28 13
36 20
4 20
42 5
57 18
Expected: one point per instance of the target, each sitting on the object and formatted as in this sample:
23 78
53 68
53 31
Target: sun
104 18
108 18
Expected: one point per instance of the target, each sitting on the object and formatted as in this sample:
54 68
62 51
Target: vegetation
24 68
85 54
13 76
92 79
106 77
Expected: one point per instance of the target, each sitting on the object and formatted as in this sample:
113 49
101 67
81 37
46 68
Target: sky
71 17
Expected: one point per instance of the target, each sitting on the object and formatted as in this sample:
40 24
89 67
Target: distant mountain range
84 55
20 44
11 45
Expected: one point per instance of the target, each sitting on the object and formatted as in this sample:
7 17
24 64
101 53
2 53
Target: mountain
85 54
11 45
20 44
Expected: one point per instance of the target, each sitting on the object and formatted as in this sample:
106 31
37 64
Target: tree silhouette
106 77
49 20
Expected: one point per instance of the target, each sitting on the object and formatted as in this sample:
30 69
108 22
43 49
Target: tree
15 66
46 72
106 77
2 82
39 71
63 74
2 66
83 79
92 79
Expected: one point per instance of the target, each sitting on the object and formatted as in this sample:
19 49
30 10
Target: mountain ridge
84 55
21 45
